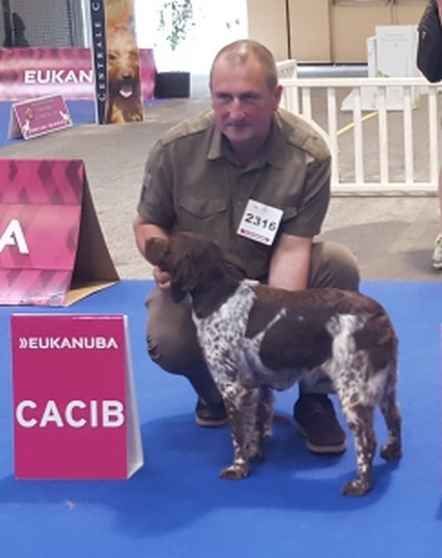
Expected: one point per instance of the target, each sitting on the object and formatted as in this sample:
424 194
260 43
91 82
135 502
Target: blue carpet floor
175 506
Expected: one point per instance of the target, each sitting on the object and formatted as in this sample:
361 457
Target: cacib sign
74 402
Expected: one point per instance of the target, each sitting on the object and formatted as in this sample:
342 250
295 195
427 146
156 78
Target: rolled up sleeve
306 219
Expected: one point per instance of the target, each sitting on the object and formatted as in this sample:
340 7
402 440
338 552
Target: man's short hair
240 51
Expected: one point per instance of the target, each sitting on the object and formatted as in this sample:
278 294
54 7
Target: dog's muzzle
127 89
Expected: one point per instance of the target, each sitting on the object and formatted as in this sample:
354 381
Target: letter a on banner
52 250
75 412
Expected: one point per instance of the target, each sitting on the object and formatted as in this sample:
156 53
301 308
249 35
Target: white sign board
391 53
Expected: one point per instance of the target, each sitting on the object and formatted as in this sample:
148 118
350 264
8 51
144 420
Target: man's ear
277 94
155 249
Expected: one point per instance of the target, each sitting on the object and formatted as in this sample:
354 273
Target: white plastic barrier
297 98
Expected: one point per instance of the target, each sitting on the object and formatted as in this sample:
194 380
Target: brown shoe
210 414
315 419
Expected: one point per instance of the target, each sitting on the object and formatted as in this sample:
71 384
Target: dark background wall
52 23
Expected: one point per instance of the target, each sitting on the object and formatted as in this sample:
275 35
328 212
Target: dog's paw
257 455
391 452
357 487
267 432
255 452
235 472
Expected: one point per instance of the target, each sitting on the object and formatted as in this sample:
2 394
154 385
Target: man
205 176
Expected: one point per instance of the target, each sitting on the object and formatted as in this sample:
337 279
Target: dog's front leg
115 116
242 408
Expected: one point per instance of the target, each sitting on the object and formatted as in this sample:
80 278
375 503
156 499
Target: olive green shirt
192 183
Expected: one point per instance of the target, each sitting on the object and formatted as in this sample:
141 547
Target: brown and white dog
125 103
256 338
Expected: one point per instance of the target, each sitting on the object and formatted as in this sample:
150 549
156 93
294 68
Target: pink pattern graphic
41 181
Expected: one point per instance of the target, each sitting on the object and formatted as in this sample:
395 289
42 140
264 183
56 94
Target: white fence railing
406 158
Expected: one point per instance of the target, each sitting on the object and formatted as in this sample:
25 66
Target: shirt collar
272 152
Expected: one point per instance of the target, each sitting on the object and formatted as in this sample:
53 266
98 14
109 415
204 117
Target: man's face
242 102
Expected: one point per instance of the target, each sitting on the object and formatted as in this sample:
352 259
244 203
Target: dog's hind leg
266 412
360 421
264 423
393 448
242 409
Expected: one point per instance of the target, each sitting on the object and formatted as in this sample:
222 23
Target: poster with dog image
124 99
117 62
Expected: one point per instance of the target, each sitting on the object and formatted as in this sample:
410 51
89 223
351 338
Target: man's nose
236 108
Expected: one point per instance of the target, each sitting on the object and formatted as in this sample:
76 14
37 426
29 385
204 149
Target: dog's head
192 262
123 63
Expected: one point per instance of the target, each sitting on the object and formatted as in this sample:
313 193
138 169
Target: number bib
260 222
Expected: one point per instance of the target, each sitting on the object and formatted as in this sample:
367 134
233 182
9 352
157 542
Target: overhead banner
116 62
52 250
27 73
75 412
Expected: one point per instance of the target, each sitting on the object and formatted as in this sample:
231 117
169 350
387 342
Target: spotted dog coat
256 339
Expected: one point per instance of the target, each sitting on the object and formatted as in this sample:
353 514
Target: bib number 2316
260 222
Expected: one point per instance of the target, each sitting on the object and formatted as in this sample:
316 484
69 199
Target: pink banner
49 233
40 211
38 72
74 404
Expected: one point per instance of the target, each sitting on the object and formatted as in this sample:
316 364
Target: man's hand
144 231
162 278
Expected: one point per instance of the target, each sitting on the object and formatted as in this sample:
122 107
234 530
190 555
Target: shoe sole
321 450
210 423
437 266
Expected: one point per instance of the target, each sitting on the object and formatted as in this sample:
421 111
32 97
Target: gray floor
392 237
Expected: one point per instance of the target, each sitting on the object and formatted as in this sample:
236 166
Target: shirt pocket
207 216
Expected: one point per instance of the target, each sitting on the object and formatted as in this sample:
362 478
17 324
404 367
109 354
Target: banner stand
94 269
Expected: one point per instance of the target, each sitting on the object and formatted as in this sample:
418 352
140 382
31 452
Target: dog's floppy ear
186 274
155 250
181 283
